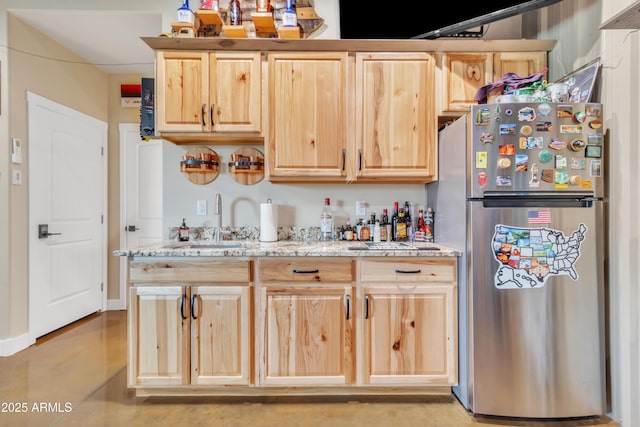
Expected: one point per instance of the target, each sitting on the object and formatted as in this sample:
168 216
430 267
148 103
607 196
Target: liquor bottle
235 12
377 231
365 232
358 229
394 219
409 220
326 221
400 232
429 222
289 17
348 231
183 232
371 224
421 225
385 227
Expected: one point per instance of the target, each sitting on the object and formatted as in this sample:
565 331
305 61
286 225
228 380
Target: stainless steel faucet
217 210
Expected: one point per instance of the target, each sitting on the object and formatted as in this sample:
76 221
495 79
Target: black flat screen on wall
405 20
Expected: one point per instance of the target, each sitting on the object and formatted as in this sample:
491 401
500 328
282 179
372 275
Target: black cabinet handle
193 306
408 271
296 271
347 302
211 114
203 114
360 159
184 297
366 306
344 158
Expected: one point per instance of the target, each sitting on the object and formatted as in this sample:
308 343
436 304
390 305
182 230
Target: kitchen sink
207 245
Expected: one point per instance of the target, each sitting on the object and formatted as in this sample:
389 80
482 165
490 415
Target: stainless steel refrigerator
521 192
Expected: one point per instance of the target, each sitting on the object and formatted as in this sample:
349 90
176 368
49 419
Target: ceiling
108 39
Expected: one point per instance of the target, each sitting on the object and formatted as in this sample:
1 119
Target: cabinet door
307 116
221 335
236 92
158 336
182 91
522 63
465 73
395 116
307 334
409 335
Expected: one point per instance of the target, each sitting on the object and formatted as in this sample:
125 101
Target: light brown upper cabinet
340 118
466 72
307 98
395 118
208 94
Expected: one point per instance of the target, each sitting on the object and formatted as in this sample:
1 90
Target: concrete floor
77 377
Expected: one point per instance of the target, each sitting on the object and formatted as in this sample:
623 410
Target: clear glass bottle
326 221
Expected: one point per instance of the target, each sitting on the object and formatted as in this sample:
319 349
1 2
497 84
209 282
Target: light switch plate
16 151
201 207
16 177
361 208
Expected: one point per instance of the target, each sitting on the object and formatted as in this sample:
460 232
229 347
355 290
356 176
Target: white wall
300 204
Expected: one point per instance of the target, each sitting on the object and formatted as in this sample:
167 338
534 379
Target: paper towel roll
268 222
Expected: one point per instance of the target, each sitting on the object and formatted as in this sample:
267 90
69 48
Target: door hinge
102 219
102 151
101 286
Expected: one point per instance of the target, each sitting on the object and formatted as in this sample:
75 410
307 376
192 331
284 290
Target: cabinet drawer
190 271
409 270
290 270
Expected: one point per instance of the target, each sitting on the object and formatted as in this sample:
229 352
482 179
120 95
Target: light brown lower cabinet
304 324
409 321
306 321
195 333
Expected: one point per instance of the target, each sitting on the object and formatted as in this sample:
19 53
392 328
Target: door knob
43 231
131 228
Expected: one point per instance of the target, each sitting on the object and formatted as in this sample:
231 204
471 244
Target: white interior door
67 192
140 196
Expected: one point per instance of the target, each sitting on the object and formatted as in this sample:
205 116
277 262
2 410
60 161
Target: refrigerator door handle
533 202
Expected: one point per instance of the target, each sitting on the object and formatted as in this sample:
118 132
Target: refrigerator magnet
594 151
545 156
544 109
561 177
556 144
481 160
594 110
561 161
577 145
508 129
595 124
544 126
547 175
522 162
487 138
527 114
534 181
565 110
526 130
595 168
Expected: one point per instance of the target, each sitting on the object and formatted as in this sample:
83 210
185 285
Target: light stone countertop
292 248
